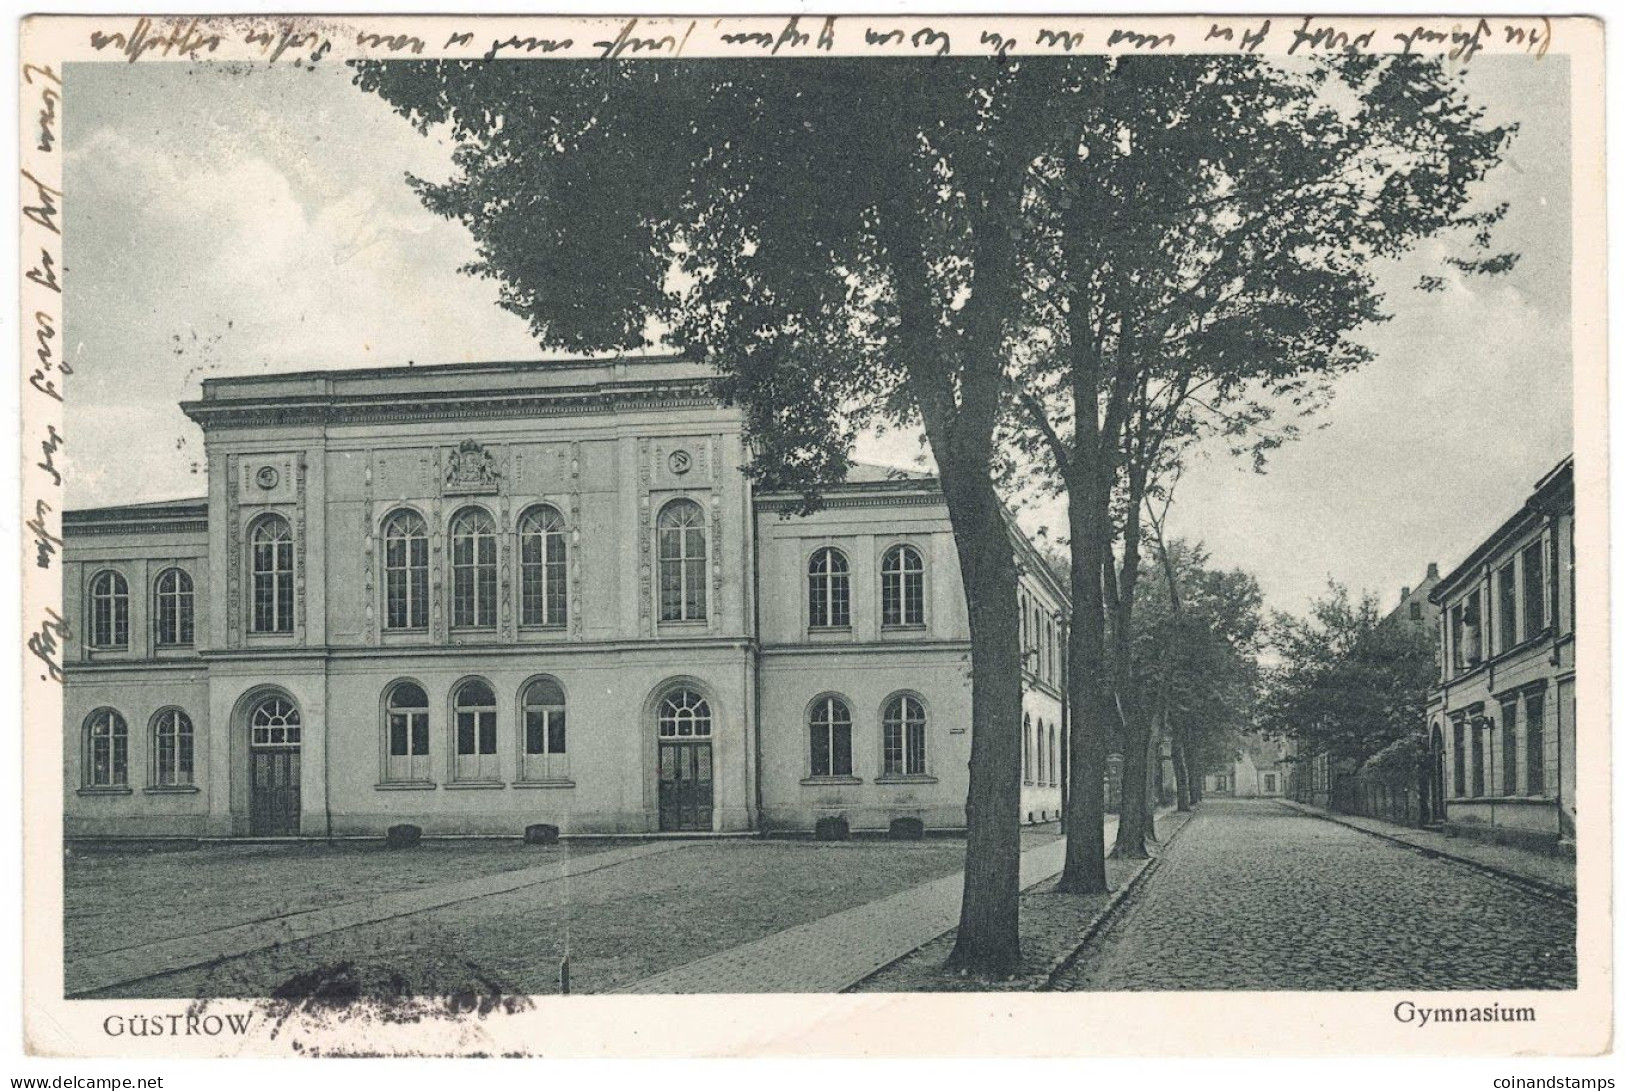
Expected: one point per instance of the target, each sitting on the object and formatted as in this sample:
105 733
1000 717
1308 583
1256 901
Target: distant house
1259 770
1501 723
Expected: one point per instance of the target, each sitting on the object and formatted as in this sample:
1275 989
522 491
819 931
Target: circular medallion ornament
680 462
267 477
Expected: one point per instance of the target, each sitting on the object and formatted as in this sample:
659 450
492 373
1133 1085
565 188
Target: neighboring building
1502 721
475 597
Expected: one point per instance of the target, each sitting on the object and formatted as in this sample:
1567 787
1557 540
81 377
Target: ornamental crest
471 469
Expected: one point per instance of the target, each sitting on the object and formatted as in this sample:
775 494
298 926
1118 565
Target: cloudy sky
248 220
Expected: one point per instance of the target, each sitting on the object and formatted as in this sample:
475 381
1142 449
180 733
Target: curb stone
1114 904
1563 894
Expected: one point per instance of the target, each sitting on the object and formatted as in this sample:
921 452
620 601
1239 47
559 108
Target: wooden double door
273 800
685 784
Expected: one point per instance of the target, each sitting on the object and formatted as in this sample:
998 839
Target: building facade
1502 721
1258 771
476 597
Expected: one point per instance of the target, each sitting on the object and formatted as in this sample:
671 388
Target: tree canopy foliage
1349 682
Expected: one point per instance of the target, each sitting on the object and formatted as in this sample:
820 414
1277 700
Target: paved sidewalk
1552 872
836 952
102 971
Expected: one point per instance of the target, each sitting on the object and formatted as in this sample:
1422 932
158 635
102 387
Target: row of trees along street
1067 273
1353 685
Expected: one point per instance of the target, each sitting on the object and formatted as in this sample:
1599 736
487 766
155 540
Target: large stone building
476 597
1502 721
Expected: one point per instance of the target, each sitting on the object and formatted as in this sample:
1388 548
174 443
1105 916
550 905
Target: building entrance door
685 784
274 737
274 806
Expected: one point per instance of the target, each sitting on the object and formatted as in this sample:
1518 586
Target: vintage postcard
844 535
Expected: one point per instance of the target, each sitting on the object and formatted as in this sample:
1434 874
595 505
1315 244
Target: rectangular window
1506 604
476 745
1534 592
545 744
1509 748
1478 758
409 745
1535 742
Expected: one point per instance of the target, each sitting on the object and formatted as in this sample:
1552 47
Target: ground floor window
1509 748
545 756
903 736
1460 753
476 716
1535 742
407 726
831 730
107 750
172 740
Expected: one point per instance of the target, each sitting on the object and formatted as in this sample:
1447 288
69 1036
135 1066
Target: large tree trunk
1091 707
989 939
1132 828
1182 776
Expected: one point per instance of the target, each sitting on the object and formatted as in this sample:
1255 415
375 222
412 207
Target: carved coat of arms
471 469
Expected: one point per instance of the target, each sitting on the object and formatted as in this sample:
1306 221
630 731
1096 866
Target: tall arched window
1041 774
406 571
1054 759
473 570
902 587
274 722
681 533
172 618
271 556
903 736
831 729
172 749
543 562
684 714
829 590
1027 748
475 709
545 756
107 750
406 729
109 611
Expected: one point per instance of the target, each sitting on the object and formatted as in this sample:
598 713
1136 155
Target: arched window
829 590
107 750
1041 776
543 559
902 587
473 570
172 749
475 708
406 727
271 549
1027 748
831 728
903 738
274 722
406 571
109 611
172 608
545 756
681 533
1054 759
684 715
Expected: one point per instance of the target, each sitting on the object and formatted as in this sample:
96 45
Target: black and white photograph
982 511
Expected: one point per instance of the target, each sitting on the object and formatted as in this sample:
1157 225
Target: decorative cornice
136 526
448 405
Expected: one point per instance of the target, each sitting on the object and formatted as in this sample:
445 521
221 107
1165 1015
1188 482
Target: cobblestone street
1254 895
